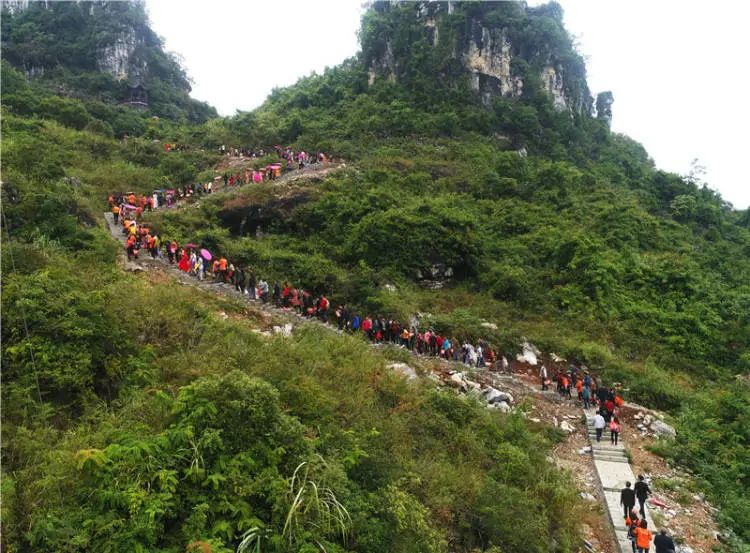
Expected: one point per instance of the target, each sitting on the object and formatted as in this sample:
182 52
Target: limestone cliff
504 48
98 50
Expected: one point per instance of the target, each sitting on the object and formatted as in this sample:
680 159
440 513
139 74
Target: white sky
678 69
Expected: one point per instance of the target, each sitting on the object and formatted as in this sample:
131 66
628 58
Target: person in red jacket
367 327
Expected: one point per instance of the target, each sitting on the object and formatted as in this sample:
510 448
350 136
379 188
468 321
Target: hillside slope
141 415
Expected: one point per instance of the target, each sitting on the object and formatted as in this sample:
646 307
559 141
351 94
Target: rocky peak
604 101
501 46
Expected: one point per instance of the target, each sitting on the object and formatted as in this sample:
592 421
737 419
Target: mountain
102 51
501 47
477 184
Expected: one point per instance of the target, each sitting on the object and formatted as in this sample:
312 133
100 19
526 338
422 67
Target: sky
678 70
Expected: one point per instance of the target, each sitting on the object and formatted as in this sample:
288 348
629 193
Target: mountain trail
598 470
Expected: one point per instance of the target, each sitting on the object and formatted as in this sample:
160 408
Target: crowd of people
130 205
605 400
298 158
639 535
205 266
127 208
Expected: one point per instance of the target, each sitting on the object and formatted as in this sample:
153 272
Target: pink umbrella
190 246
205 254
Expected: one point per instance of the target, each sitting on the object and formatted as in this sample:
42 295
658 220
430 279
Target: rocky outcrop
487 56
604 101
488 53
552 83
117 58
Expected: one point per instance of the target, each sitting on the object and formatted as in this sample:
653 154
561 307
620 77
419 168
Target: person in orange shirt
115 212
631 522
643 537
130 248
223 269
579 387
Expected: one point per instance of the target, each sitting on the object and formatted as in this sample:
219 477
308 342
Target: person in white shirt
543 376
599 424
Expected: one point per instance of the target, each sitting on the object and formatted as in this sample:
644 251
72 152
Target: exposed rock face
487 53
663 430
553 83
487 57
604 101
117 58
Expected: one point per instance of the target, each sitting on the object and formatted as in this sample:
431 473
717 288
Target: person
599 426
367 327
251 285
627 499
172 251
239 280
642 491
115 212
324 305
614 430
131 249
586 395
631 522
223 269
643 537
663 542
184 263
543 376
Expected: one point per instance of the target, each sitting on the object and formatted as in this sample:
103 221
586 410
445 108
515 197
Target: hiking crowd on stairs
132 206
205 266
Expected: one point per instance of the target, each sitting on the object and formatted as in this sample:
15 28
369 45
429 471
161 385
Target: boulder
493 395
490 394
474 386
647 420
506 397
663 430
285 330
457 381
404 370
567 427
529 353
504 407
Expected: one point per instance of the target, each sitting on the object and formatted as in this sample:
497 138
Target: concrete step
608 447
611 459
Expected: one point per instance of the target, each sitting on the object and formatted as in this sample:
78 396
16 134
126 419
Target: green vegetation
137 418
61 43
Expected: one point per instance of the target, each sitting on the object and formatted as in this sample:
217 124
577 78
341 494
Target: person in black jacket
627 498
642 491
664 543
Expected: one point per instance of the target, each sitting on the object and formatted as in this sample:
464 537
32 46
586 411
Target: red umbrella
190 246
205 254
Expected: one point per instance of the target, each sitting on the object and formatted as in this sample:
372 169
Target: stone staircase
613 469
